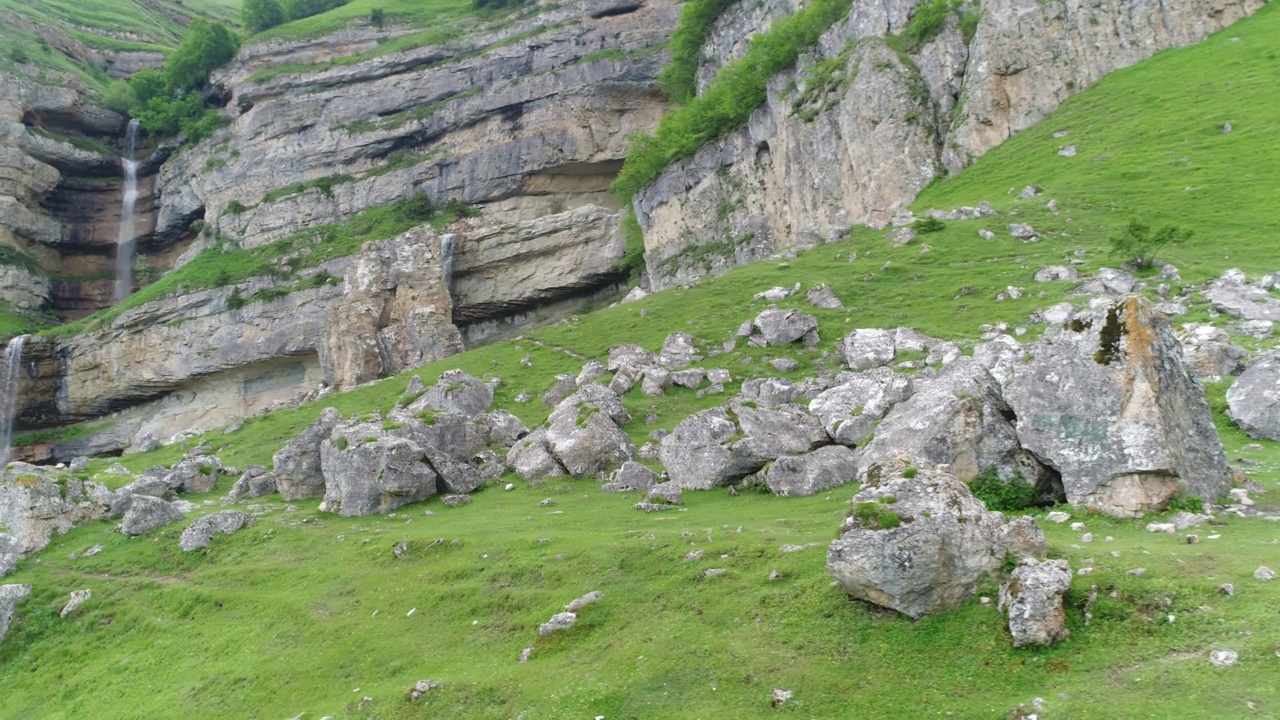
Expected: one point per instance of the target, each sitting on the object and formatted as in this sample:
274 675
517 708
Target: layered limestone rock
396 312
198 361
59 197
1107 402
480 119
856 142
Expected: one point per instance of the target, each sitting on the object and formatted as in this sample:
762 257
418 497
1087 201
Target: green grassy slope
281 619
1150 145
97 25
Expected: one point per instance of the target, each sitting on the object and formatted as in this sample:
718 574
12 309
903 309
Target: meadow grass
308 612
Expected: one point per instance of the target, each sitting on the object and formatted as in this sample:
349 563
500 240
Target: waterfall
9 394
448 246
124 241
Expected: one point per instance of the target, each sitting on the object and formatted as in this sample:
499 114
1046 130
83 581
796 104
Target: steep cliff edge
861 125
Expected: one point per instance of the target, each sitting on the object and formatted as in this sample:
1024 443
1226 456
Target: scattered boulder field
1103 413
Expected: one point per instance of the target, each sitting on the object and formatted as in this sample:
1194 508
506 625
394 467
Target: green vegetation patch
737 89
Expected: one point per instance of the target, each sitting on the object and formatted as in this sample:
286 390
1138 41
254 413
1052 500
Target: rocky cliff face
527 122
854 145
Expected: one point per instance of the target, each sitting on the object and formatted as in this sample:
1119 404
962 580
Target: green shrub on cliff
737 89
259 15
679 76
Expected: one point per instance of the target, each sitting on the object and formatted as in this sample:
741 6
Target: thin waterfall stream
125 245
11 368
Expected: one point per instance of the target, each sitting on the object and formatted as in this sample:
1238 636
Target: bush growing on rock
997 494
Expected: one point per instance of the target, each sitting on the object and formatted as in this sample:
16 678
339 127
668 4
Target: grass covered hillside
51 40
311 613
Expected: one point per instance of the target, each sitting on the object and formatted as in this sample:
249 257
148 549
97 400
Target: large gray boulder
583 432
455 392
722 445
811 473
37 501
849 412
255 482
146 514
1232 294
457 476
297 464
957 418
367 472
632 476
196 474
868 348
10 553
678 350
1107 403
774 327
9 597
1208 353
1032 598
697 454
1253 402
531 459
199 534
923 544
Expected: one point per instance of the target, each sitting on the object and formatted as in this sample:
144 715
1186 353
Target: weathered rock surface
531 458
36 502
1208 352
811 473
78 598
194 474
923 544
396 312
868 348
722 445
147 514
298 464
1234 295
632 476
1108 404
367 472
10 553
849 412
583 433
855 145
455 392
960 419
9 597
255 482
1032 598
783 327
199 534
1253 401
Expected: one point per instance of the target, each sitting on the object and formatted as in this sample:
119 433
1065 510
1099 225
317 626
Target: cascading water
125 241
448 247
9 394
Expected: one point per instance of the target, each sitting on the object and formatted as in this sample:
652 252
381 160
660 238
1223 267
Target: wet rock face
1107 402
